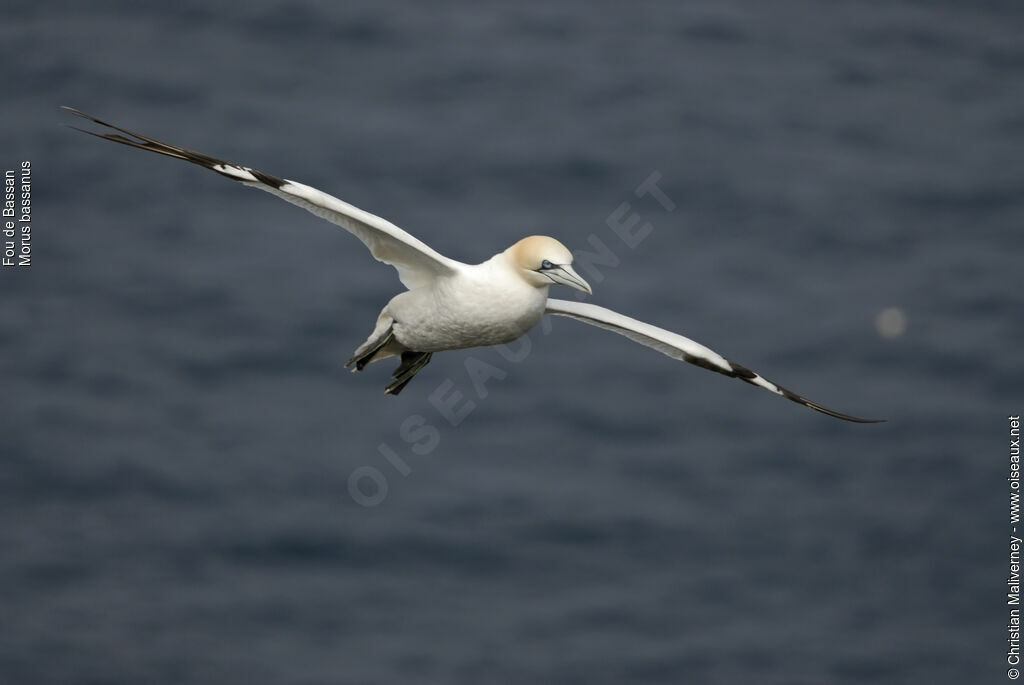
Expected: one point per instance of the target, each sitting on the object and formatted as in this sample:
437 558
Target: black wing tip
745 374
790 395
80 113
825 410
859 419
137 140
844 417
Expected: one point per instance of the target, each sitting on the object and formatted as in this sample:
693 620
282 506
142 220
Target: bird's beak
565 275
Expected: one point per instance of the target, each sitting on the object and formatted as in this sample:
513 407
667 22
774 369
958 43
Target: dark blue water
178 433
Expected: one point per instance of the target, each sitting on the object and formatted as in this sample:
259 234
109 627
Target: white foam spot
891 322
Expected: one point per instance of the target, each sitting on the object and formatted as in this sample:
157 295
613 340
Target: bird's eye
546 265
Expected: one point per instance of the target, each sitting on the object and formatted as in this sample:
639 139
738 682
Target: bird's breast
466 311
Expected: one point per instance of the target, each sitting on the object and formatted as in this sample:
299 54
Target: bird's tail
373 349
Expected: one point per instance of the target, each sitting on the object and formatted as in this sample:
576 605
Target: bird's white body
479 304
450 305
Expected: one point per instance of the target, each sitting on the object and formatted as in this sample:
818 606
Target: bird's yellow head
543 261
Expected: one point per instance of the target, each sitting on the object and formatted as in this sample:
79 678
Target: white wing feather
417 263
679 347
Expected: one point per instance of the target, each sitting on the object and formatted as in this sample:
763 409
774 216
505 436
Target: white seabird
450 305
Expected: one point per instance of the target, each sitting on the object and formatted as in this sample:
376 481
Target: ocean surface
194 490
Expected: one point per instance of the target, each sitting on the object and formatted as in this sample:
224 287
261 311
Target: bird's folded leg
411 364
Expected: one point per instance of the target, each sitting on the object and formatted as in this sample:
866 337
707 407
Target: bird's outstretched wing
679 347
417 263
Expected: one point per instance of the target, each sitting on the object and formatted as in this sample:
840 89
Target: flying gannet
450 305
